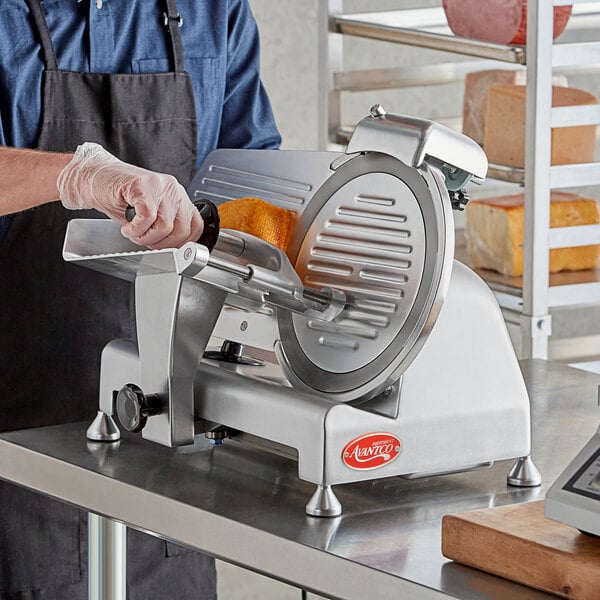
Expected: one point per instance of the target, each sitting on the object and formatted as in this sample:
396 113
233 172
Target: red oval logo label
371 451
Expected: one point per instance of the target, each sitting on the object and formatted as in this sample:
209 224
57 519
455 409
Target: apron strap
173 21
42 27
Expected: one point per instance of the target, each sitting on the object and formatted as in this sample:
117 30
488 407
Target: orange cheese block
495 226
257 217
504 135
477 85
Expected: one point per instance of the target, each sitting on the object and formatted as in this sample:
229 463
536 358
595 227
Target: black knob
129 213
212 223
233 352
134 407
458 199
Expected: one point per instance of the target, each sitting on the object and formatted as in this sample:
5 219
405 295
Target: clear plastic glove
165 216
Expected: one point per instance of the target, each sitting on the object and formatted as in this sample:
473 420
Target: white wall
289 62
290 67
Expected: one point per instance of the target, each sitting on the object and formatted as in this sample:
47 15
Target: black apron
55 319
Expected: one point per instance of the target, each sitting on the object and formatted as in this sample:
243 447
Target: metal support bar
107 555
536 320
570 237
375 26
577 293
535 327
565 55
330 62
570 2
412 75
570 116
575 175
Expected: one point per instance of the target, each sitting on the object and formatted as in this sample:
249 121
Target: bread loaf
504 135
495 226
500 21
257 217
477 85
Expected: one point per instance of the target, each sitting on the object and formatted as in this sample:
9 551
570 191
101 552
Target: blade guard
414 141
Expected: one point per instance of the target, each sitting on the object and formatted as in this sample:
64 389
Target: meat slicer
365 351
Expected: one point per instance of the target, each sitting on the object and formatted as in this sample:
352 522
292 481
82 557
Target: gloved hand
165 216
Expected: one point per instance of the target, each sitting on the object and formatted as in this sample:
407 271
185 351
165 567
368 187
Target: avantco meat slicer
383 356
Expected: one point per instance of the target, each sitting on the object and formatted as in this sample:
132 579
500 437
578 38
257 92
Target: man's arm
94 178
28 178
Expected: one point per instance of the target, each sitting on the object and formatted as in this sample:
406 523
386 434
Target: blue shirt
221 54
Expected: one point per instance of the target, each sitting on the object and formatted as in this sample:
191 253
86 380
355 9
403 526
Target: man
157 85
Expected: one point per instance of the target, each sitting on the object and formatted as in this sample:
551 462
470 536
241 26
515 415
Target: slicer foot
324 503
524 473
103 429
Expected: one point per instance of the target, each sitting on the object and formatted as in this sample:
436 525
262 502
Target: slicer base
324 503
103 429
524 473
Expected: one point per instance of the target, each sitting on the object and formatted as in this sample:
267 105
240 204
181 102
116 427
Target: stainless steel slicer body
384 357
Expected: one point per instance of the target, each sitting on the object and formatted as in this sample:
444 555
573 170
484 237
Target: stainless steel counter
247 507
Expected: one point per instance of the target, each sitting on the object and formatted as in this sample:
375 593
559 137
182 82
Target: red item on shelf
499 21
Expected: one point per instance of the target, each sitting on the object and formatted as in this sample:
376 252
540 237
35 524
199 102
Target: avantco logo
371 451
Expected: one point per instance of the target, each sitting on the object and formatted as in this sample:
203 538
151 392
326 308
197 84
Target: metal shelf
508 174
568 55
561 176
576 51
428 28
411 75
574 175
570 237
408 76
566 287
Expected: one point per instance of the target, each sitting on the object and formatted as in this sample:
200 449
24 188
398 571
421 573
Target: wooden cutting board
517 542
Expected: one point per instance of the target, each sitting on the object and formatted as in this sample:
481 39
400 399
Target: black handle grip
210 215
212 223
129 213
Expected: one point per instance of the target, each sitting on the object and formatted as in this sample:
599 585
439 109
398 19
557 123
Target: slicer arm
241 264
289 293
247 266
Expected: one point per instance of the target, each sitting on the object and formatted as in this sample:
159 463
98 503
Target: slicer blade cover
414 141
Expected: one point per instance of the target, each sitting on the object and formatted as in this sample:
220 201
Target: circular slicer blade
382 233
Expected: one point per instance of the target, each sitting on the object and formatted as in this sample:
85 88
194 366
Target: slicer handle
210 215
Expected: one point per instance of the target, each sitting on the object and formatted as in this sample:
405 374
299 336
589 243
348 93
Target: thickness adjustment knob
458 199
134 407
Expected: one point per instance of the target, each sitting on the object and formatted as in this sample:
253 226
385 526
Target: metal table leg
107 553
